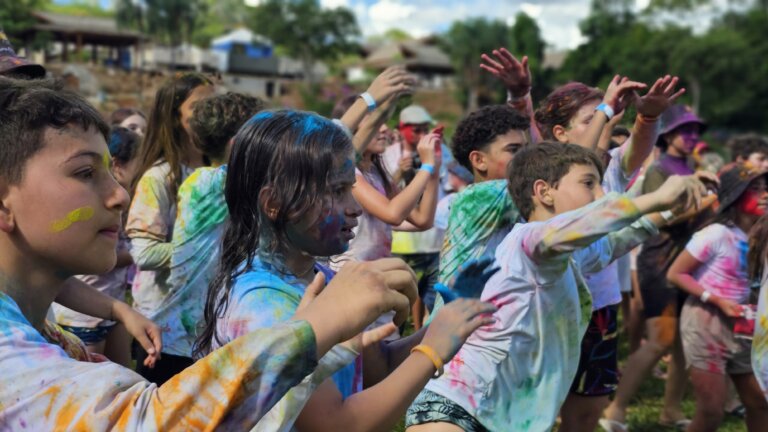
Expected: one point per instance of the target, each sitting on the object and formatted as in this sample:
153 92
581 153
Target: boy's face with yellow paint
65 211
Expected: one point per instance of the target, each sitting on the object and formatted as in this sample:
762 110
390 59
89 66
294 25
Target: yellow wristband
432 355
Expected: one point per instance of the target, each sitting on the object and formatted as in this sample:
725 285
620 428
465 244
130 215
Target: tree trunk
472 99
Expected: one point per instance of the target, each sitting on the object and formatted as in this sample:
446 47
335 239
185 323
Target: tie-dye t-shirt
196 243
722 252
150 224
44 389
516 373
760 341
265 296
481 216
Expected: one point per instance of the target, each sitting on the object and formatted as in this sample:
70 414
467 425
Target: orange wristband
432 355
645 119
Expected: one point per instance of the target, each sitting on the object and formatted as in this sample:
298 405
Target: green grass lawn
645 409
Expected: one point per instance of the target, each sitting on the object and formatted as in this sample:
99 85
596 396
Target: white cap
415 114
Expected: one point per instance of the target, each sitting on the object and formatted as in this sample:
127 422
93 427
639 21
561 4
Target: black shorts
598 372
662 301
166 368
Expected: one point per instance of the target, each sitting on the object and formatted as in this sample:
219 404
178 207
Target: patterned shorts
598 372
90 335
430 407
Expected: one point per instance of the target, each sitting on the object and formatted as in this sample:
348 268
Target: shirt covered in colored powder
45 389
516 373
150 227
264 296
112 284
722 252
373 237
481 216
760 341
605 284
196 243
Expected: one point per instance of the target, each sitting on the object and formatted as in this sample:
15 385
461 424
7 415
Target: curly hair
481 128
746 144
548 161
215 120
559 107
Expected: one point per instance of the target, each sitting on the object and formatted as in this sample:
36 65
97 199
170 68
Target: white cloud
333 4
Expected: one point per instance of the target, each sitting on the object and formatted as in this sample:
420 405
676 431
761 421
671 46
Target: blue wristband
606 109
428 168
369 100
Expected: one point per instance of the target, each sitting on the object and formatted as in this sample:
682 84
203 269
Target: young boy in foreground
60 212
515 374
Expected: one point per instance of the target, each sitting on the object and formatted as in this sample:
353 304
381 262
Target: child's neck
744 222
541 214
288 259
366 162
32 290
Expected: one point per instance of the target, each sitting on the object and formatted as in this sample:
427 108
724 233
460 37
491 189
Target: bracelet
430 352
647 119
606 109
705 296
369 100
511 99
428 168
667 215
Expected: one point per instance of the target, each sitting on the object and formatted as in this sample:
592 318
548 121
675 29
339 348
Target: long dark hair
165 134
292 154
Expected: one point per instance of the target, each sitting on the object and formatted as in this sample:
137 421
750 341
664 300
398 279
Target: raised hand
394 80
516 75
681 193
454 323
427 149
620 92
661 96
470 280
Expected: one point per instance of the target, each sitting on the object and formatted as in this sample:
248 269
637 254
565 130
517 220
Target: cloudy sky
558 19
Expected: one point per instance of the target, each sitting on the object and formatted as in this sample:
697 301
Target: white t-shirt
515 373
722 250
605 285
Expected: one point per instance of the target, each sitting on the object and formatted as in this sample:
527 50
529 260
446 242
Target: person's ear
477 160
542 192
560 133
268 205
7 219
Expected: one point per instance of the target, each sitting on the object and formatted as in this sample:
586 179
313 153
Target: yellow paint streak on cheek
77 215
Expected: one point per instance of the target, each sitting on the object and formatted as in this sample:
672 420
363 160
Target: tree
464 42
306 31
168 21
16 16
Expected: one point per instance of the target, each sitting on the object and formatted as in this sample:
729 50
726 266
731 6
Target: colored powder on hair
77 215
261 116
310 125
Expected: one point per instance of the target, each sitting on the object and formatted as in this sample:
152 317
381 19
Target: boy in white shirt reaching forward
515 374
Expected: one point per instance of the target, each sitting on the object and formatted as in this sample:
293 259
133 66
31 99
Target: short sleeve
704 244
150 207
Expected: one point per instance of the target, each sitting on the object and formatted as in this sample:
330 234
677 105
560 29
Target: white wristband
705 296
606 109
369 100
513 99
667 215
